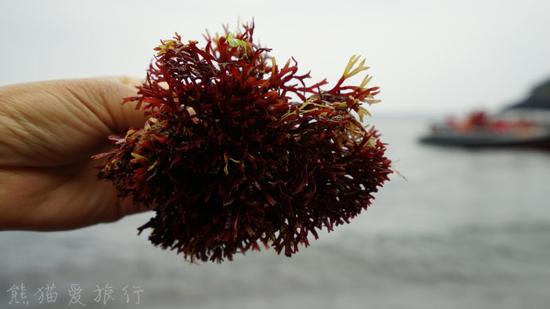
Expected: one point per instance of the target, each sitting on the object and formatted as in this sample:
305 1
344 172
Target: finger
127 206
129 80
102 96
110 91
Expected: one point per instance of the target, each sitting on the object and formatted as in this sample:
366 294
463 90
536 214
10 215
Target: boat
526 124
531 136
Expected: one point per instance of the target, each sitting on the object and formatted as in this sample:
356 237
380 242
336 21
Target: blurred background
468 228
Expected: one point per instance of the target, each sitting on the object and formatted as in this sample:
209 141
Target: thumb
110 91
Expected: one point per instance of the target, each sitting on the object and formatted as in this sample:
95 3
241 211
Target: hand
48 131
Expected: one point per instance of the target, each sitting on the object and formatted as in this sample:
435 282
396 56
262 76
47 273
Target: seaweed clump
240 152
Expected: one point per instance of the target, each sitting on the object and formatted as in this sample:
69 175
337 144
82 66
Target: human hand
48 131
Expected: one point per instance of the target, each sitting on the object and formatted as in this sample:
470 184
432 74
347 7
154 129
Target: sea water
466 229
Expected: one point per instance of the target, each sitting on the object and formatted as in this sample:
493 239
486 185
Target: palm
50 130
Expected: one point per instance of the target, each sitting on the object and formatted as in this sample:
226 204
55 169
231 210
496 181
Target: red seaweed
240 152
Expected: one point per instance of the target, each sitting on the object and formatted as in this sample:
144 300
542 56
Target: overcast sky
428 56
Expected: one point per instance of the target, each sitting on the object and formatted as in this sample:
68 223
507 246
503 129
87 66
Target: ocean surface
466 229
